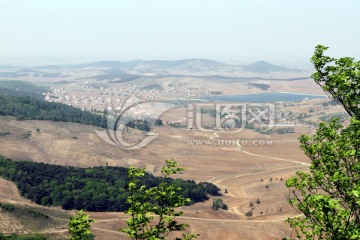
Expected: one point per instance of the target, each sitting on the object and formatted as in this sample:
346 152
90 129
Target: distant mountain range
114 70
265 67
156 64
259 67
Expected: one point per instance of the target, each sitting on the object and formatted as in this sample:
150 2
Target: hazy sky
228 30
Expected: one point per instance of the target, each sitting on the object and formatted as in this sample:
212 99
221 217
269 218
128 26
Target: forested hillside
21 88
92 189
28 108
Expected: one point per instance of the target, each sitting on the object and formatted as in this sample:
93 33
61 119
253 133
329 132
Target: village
100 99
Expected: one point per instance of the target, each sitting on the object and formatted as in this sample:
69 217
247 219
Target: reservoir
264 97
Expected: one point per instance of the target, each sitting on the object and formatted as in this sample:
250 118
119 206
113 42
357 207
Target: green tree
218 204
159 201
328 196
79 226
249 214
158 122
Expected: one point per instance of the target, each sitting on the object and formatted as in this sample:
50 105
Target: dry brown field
248 173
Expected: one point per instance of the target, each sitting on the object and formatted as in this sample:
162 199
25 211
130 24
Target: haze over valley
247 166
90 90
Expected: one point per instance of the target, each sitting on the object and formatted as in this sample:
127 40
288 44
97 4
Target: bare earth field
250 168
247 171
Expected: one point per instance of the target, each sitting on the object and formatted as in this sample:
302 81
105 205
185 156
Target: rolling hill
265 67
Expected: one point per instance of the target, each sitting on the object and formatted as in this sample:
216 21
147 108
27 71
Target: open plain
244 174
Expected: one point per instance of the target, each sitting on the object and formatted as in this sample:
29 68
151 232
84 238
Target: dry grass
239 172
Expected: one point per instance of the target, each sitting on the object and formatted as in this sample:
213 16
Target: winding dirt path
238 192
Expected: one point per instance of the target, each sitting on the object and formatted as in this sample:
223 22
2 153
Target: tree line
28 108
92 189
22 237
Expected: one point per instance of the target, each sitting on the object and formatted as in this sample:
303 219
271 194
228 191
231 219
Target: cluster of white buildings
101 98
90 96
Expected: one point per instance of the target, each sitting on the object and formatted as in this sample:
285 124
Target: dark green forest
22 237
28 108
19 93
21 88
92 189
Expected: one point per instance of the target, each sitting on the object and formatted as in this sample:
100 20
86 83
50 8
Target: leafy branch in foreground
79 227
152 210
340 78
328 196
